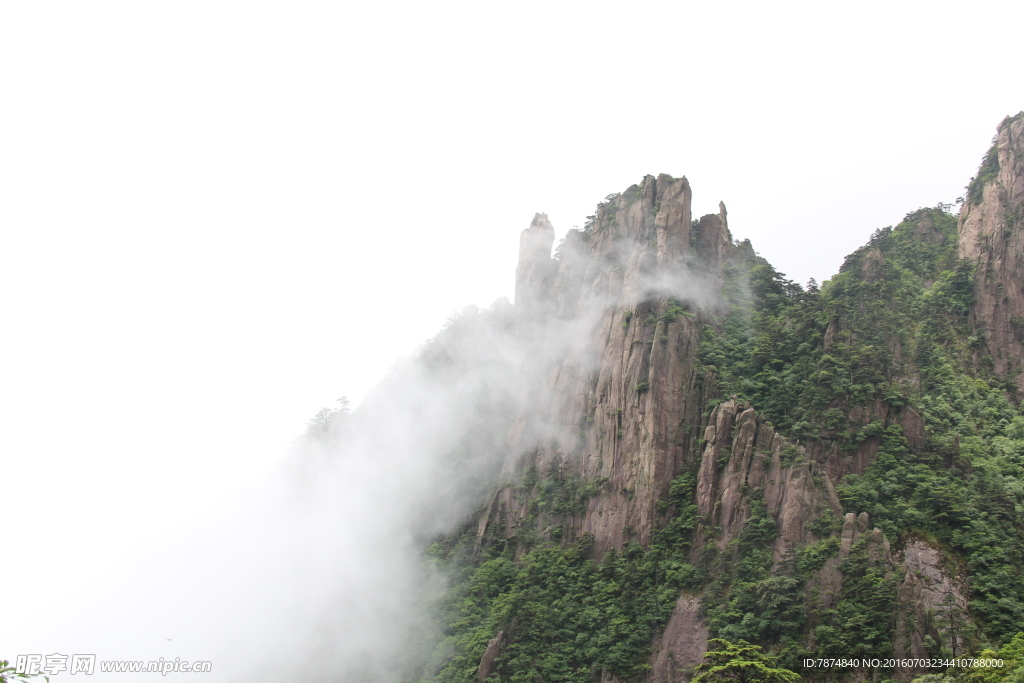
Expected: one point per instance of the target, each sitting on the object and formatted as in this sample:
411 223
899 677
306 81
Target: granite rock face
743 455
616 319
932 591
489 661
990 237
535 271
681 645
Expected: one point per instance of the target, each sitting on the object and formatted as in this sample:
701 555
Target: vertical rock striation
535 271
991 238
931 593
743 456
621 307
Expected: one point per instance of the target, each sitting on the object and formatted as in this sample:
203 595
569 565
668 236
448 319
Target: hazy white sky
218 217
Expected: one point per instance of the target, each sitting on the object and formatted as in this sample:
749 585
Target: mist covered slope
667 441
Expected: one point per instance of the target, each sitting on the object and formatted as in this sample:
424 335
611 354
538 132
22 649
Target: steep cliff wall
617 316
794 489
991 238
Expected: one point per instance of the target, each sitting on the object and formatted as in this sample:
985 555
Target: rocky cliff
991 238
619 312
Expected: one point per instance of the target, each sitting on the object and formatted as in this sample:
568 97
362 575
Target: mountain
686 445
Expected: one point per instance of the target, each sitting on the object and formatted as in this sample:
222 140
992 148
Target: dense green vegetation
1011 671
862 622
747 602
988 170
566 618
740 662
892 318
891 329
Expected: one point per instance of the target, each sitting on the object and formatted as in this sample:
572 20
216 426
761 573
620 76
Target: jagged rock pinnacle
536 268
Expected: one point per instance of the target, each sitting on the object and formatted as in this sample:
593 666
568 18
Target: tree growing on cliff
740 662
953 624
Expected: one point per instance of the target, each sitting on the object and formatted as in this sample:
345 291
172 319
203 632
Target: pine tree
740 662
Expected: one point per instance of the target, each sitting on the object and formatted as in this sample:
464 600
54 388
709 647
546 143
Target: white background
218 217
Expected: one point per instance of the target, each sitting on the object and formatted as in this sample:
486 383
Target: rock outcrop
990 237
681 645
742 457
624 303
489 661
535 271
711 240
932 601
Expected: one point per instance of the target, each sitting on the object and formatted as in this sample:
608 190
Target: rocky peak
620 405
712 240
536 269
672 221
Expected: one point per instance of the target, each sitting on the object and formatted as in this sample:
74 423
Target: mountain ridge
695 447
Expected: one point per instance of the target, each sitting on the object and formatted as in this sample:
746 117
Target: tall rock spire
712 240
672 223
536 269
